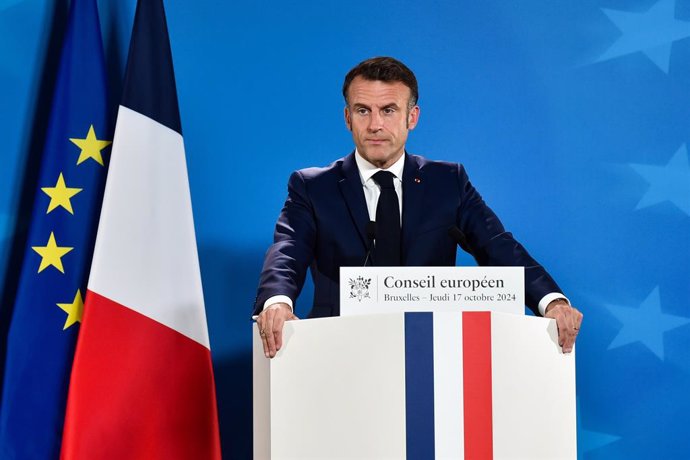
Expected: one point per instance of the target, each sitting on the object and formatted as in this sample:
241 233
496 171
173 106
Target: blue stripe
419 385
149 86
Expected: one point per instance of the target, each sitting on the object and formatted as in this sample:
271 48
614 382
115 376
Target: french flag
142 382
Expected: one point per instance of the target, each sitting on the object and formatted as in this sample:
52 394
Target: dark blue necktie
387 251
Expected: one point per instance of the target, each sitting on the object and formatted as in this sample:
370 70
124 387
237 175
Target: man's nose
375 121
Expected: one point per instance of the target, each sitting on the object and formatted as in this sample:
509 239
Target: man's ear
413 117
348 119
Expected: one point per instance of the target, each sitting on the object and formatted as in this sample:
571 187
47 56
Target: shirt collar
366 169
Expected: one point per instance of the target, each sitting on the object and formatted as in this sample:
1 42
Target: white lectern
416 385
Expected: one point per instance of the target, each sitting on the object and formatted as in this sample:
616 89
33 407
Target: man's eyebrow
390 105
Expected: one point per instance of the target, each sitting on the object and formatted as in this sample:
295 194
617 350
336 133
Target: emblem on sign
359 288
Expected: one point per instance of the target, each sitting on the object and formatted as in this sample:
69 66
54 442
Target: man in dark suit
324 223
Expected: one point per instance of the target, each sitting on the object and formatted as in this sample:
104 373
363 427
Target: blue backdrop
571 116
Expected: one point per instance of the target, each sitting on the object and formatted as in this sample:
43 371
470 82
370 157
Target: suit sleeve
286 262
491 245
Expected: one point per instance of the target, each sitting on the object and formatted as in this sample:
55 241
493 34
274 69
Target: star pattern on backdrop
74 310
670 182
646 324
90 147
60 195
591 440
51 254
651 32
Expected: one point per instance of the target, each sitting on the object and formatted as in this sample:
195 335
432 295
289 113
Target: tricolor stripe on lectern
448 407
142 382
419 385
476 352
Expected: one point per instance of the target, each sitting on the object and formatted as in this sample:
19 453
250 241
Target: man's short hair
386 69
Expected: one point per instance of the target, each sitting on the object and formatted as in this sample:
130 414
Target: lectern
416 385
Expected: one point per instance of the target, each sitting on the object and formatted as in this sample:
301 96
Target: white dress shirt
372 191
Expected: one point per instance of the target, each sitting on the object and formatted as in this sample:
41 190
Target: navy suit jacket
323 226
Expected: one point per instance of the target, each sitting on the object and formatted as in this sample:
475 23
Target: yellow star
51 254
60 195
90 147
74 310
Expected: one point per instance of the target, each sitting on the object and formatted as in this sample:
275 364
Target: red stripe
476 354
139 390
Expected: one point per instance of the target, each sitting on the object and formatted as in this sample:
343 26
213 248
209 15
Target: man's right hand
270 322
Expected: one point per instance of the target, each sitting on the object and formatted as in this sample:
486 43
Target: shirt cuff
276 299
547 299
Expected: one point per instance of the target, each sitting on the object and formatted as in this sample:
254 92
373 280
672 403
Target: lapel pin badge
417 180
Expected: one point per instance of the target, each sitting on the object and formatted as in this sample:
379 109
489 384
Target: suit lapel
413 193
351 189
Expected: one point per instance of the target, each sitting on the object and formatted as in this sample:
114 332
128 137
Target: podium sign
367 290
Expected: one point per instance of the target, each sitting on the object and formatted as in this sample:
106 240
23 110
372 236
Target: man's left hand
568 319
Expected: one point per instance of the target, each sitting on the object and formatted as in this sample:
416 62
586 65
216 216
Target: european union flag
49 301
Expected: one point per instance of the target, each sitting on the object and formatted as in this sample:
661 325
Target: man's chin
381 161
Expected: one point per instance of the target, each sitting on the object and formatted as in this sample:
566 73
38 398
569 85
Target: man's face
378 116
